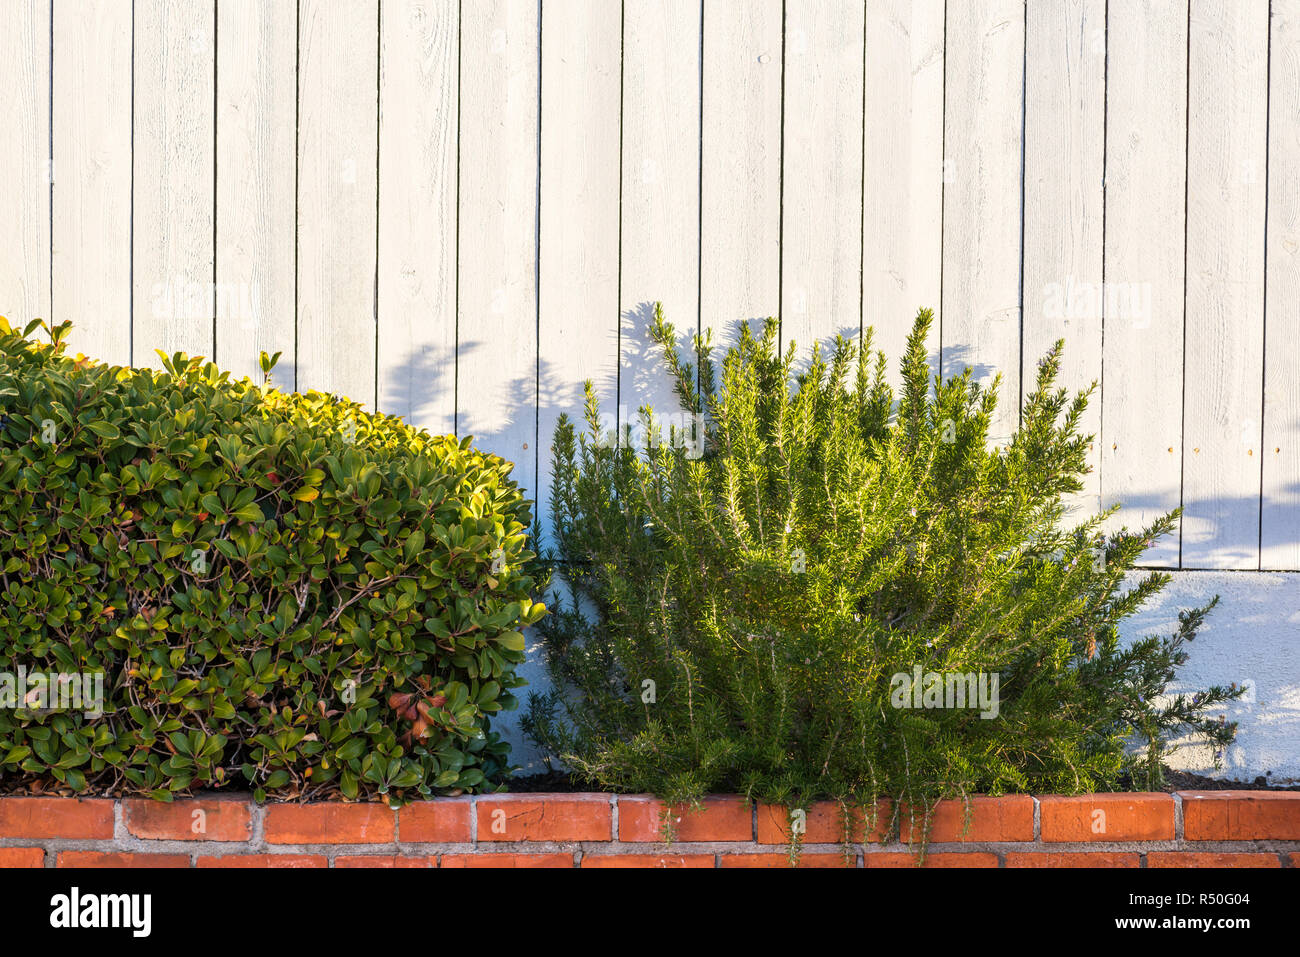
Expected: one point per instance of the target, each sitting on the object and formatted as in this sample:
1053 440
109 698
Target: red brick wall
1189 829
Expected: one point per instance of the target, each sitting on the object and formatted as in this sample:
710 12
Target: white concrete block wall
1253 635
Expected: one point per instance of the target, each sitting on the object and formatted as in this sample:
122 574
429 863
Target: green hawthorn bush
770 617
277 591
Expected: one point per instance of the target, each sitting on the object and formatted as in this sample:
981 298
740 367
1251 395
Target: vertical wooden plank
1280 516
174 149
91 222
902 202
579 243
1226 156
1065 109
256 105
497 349
496 360
418 118
338 51
1145 227
740 222
24 163
983 121
821 268
661 194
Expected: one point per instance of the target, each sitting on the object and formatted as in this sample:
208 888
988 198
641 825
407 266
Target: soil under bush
1187 781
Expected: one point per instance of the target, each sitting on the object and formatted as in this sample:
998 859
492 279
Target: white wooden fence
458 210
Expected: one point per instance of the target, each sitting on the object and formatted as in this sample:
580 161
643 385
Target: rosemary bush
753 619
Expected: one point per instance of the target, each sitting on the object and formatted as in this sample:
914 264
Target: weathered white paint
1065 104
174 145
578 321
434 228
660 259
740 226
983 123
902 182
91 206
459 210
497 324
256 104
1227 151
1146 159
1280 499
338 66
24 163
821 237
418 123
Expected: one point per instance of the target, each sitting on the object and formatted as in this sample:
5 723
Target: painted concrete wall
1252 636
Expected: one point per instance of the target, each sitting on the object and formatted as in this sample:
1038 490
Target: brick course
583 831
